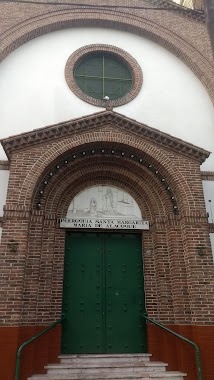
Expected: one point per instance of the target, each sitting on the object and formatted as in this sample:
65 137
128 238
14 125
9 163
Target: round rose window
103 76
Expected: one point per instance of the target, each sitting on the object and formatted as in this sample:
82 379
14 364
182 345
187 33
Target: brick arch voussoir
81 167
133 178
57 20
57 149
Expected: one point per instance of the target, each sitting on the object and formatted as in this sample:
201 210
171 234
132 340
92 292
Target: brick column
57 273
13 251
45 275
162 273
149 274
178 272
199 268
32 274
42 300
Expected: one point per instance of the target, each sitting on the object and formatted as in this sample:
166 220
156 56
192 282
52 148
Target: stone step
108 367
92 356
154 376
106 370
92 360
109 364
106 363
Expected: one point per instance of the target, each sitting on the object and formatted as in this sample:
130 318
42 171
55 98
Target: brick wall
177 279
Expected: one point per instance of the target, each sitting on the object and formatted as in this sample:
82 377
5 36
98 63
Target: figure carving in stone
93 206
109 204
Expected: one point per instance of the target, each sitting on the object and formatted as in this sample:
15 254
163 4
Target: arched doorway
103 294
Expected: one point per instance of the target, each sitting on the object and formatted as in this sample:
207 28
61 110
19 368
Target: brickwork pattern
207 176
55 149
178 281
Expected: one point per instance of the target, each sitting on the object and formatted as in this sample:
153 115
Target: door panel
124 293
82 296
103 296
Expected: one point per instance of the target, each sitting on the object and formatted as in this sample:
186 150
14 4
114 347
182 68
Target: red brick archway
174 272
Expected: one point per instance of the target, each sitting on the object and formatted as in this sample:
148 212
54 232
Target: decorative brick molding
109 171
141 24
49 152
122 55
207 176
99 152
85 123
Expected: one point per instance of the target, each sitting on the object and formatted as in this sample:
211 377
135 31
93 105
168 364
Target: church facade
106 181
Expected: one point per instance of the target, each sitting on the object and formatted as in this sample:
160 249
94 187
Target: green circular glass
103 75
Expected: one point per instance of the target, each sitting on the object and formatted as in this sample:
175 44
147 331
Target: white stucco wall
208 187
4 176
34 94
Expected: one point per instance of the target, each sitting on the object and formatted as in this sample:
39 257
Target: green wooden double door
103 296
